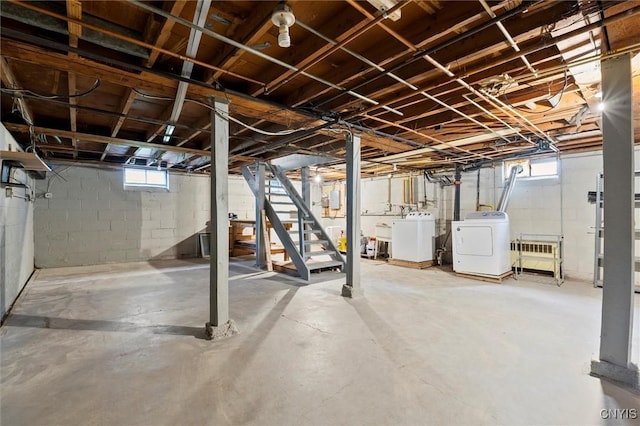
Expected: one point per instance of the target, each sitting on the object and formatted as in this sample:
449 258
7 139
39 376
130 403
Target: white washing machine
481 244
412 237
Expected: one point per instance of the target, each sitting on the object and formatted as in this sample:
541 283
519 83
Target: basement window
533 168
145 178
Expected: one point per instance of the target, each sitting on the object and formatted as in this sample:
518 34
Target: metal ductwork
508 189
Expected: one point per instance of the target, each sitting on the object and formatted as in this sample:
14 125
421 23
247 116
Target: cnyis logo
619 413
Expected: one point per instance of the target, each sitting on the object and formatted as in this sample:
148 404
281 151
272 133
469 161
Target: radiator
537 256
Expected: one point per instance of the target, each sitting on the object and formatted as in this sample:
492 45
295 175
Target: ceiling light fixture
169 131
283 18
601 106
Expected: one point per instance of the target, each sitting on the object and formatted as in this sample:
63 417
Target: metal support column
261 252
618 282
353 287
306 186
456 200
219 324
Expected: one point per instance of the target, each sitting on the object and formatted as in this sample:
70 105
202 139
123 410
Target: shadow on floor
35 321
618 393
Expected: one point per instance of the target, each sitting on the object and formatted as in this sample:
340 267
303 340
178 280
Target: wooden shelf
29 160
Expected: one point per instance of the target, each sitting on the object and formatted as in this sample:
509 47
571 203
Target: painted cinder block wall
16 232
91 219
556 205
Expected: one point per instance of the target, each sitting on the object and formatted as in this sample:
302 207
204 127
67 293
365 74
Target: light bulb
317 178
283 18
601 106
283 36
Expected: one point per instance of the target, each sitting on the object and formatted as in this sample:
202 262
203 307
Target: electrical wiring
255 129
40 95
224 115
560 94
248 126
146 95
57 174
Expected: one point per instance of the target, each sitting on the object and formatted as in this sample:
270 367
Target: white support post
618 279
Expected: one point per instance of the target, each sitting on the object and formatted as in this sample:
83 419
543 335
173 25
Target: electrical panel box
334 200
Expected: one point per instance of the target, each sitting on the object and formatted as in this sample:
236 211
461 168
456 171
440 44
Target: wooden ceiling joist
21 128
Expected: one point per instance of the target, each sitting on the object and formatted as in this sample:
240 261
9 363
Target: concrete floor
123 345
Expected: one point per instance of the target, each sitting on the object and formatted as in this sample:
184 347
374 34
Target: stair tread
282 203
327 264
306 231
296 221
311 242
319 253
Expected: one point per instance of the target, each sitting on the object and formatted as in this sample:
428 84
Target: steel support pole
306 186
353 287
456 199
618 277
260 242
219 324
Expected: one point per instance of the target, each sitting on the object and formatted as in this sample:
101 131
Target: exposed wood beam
477 49
56 81
258 23
165 31
162 36
22 128
326 50
127 101
150 82
393 33
35 55
73 112
10 81
160 85
164 116
440 26
203 124
128 39
538 45
74 10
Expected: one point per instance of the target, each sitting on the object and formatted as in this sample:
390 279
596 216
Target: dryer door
474 240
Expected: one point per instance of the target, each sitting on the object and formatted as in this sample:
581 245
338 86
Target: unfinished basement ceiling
428 84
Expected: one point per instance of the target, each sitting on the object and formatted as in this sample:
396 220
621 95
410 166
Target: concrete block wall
382 202
16 232
91 219
556 205
579 174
